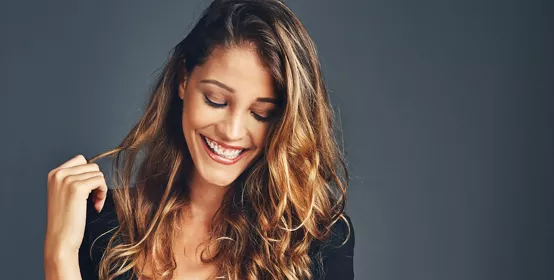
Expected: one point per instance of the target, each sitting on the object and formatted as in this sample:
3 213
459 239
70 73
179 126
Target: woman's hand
69 186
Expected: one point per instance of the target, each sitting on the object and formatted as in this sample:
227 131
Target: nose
233 127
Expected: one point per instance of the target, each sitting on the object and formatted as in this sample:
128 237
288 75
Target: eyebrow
219 84
231 90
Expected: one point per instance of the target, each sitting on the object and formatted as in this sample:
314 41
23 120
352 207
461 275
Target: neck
205 199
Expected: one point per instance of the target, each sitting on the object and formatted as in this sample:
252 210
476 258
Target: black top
337 262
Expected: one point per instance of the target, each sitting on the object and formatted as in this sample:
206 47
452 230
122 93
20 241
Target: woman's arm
70 186
61 267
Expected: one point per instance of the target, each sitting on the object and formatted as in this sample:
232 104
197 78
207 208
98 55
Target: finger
96 184
89 167
77 160
100 196
82 176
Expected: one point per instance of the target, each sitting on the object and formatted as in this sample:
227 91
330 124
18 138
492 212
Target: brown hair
286 199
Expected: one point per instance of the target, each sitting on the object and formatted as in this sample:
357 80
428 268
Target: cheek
194 113
259 135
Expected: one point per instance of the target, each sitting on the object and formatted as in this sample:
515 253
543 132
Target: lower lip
219 158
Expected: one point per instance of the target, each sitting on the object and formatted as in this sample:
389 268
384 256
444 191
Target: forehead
239 68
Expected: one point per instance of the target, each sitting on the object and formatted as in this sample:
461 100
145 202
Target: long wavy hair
287 198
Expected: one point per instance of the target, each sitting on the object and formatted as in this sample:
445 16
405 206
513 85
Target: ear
182 85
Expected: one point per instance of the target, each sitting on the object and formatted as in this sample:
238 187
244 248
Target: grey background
446 107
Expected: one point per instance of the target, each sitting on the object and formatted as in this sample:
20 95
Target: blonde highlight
291 196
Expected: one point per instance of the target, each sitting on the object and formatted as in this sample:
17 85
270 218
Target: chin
219 178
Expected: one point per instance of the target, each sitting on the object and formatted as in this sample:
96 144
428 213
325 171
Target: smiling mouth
218 150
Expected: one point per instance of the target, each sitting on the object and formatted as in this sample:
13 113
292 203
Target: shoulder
107 218
341 240
342 233
99 229
336 255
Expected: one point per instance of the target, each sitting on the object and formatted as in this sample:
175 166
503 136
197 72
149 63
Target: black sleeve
86 264
338 259
98 230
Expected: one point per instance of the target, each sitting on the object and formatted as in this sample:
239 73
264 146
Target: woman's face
227 106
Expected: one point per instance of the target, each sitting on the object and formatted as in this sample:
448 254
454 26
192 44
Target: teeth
227 153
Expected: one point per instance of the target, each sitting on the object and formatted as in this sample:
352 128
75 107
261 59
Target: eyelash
213 104
219 105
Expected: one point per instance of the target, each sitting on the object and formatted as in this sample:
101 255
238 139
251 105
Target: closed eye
214 104
259 118
221 105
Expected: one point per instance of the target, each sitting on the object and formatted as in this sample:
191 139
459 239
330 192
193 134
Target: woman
233 171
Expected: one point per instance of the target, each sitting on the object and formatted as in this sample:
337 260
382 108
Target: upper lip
226 146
